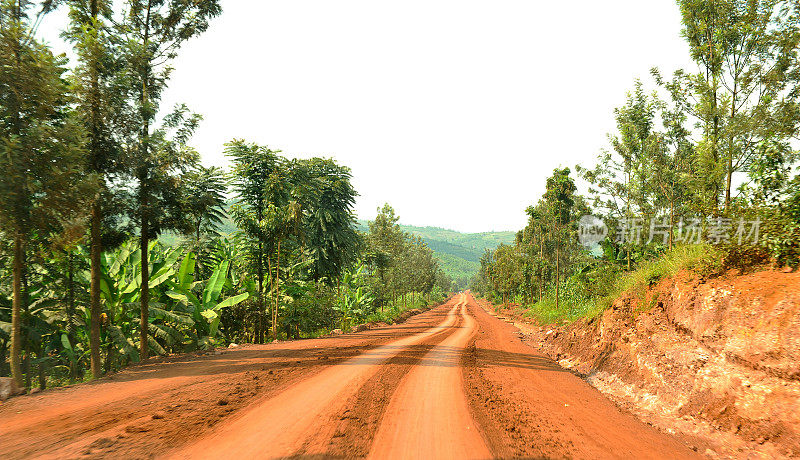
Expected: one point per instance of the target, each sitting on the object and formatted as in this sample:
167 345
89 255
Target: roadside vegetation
458 253
97 178
701 174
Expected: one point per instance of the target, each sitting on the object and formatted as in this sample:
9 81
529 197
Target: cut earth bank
713 360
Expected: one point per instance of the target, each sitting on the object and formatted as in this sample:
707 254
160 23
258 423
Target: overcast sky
454 112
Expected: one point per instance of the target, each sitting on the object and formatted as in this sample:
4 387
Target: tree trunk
16 313
70 310
541 268
3 350
671 221
143 202
197 264
42 372
277 292
144 295
96 214
94 308
558 268
261 304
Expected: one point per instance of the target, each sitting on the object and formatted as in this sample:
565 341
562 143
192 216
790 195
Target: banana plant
120 286
206 307
355 297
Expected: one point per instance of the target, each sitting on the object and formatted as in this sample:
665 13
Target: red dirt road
453 382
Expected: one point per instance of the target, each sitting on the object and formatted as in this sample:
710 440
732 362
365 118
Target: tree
203 205
101 93
255 171
673 172
43 183
327 198
507 270
534 236
154 31
387 242
559 201
157 200
746 93
621 182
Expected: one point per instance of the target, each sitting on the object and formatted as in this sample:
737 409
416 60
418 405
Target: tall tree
101 94
154 31
329 228
559 199
387 243
158 202
255 168
43 182
747 90
620 181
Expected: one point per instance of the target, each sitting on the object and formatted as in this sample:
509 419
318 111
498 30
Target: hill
459 253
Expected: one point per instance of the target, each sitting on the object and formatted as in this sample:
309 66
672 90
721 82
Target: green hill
459 253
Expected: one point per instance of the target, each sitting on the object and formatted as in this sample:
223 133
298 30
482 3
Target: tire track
279 426
350 433
429 415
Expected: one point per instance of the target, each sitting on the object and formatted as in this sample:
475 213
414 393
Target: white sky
454 112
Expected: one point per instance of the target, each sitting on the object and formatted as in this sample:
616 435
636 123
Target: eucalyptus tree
746 93
43 183
559 202
154 31
101 92
625 184
620 182
675 176
388 242
507 270
535 240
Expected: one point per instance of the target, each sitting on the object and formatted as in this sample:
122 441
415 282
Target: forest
700 174
97 176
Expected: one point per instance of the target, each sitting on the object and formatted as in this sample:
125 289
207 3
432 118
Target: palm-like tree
204 209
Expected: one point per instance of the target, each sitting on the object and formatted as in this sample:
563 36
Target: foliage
458 253
674 161
92 148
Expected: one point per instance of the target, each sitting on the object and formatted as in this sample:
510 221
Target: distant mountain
459 253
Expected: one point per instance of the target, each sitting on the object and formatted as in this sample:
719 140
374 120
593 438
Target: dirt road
453 382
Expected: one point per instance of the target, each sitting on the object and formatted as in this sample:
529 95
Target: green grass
589 298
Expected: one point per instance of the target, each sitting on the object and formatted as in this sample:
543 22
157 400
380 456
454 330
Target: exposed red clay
453 382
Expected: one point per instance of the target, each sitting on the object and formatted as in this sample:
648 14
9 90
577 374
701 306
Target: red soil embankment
717 360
